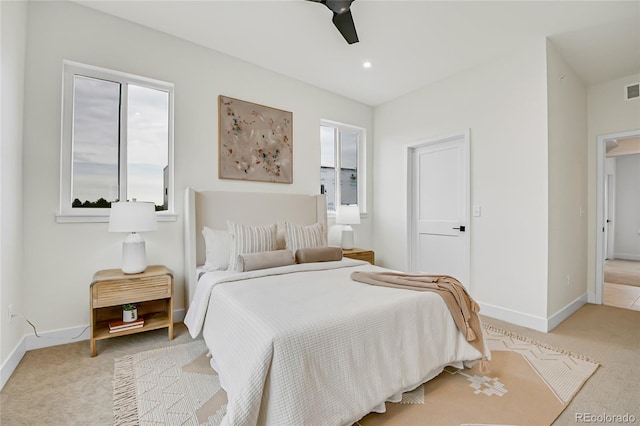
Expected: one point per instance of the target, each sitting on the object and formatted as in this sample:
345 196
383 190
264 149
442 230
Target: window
117 141
342 164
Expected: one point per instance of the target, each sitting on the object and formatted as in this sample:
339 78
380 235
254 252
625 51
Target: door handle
461 228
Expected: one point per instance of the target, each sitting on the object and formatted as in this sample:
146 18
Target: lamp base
347 238
134 259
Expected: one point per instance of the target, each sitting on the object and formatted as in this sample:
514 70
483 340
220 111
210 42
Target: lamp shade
348 215
132 216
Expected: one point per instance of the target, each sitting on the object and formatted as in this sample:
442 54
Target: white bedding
304 344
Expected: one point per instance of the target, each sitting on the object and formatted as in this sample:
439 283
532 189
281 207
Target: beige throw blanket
462 307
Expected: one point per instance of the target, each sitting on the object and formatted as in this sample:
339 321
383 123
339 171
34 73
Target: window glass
148 145
96 134
349 168
328 164
340 150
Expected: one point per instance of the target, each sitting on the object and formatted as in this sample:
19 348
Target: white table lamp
347 216
133 217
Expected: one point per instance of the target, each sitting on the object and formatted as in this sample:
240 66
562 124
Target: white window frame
362 156
70 69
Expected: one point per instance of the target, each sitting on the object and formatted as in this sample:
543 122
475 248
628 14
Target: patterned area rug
169 386
527 380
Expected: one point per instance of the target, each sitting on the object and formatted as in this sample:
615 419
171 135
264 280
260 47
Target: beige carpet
621 271
175 385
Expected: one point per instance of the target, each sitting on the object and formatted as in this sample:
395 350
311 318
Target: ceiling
410 44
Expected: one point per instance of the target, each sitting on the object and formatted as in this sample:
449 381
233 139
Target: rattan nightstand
151 291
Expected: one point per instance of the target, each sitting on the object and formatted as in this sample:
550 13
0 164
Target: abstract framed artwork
255 142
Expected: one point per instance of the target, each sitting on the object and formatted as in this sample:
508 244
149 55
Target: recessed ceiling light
366 64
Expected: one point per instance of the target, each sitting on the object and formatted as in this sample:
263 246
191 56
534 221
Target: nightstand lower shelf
150 323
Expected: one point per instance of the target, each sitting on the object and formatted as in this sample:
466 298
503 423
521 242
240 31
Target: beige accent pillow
318 254
304 236
264 259
249 239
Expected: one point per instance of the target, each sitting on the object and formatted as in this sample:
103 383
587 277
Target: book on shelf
120 325
118 330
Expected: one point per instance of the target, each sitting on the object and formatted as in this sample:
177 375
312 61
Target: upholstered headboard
213 208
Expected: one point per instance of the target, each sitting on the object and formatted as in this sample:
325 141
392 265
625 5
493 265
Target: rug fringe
125 405
539 343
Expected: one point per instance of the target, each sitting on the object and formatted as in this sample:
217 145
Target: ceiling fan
342 18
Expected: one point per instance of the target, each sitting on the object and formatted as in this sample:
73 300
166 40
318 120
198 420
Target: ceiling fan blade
344 24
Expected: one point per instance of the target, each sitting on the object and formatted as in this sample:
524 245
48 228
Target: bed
303 343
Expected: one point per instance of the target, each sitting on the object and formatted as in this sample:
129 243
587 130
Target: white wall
567 112
504 104
62 258
13 23
608 113
627 218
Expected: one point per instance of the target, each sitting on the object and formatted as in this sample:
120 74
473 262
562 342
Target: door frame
410 149
601 181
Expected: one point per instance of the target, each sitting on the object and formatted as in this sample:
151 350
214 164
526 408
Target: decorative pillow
304 236
281 244
264 260
249 239
318 254
217 248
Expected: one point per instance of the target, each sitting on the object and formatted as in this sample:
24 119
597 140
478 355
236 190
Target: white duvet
306 345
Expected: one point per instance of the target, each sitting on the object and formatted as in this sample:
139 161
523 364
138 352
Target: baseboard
57 337
52 338
530 321
12 361
71 335
626 256
178 315
564 313
513 317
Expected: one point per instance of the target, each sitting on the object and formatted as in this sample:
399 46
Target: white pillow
249 239
217 249
304 236
281 244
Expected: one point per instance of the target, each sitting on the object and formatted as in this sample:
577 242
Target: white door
609 199
439 206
